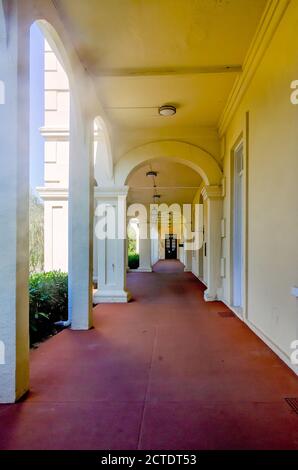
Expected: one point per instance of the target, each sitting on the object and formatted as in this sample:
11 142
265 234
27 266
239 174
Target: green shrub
133 260
48 303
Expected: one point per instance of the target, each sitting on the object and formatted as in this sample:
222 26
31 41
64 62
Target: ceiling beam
173 71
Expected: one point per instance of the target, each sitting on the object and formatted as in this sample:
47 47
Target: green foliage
36 238
133 260
48 303
132 243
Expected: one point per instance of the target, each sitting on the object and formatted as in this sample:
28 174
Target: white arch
175 151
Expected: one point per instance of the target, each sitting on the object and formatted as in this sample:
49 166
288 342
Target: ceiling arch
175 151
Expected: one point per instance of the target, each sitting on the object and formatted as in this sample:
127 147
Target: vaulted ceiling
175 183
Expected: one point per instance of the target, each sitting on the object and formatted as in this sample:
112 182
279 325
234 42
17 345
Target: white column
14 205
145 248
213 196
187 261
81 213
111 249
128 219
95 267
126 254
154 235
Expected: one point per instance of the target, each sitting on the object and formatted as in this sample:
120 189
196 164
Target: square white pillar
14 207
187 252
111 248
145 248
154 235
213 196
81 213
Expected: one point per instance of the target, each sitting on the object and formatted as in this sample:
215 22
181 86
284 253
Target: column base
111 297
187 270
209 297
140 270
144 269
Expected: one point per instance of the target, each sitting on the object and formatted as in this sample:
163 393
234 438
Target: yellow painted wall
273 187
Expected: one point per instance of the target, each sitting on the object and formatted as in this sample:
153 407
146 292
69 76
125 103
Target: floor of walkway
166 371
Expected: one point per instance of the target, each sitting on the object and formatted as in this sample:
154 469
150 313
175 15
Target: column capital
212 192
50 194
104 192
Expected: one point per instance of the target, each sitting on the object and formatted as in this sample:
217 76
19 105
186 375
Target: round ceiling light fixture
167 110
151 173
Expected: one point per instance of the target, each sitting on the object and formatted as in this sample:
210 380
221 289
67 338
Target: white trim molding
52 194
54 133
269 23
104 192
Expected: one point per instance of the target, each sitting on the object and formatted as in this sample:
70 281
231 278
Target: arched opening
133 243
187 154
49 183
163 193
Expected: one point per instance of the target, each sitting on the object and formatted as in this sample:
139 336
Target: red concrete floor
165 371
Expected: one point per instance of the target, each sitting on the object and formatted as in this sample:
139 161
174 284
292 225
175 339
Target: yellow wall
273 187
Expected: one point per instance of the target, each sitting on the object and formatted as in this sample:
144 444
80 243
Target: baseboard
200 279
276 349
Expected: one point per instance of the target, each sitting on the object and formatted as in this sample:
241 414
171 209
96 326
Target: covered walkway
165 371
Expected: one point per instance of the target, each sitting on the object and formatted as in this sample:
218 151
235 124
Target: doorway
170 247
237 227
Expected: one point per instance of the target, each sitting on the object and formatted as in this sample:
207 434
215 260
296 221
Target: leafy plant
133 260
48 303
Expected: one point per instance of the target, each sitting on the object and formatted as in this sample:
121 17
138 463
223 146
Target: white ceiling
181 44
142 54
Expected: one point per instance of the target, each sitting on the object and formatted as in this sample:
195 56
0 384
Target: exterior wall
272 192
56 163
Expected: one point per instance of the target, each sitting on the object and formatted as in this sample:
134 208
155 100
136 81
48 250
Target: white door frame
238 231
